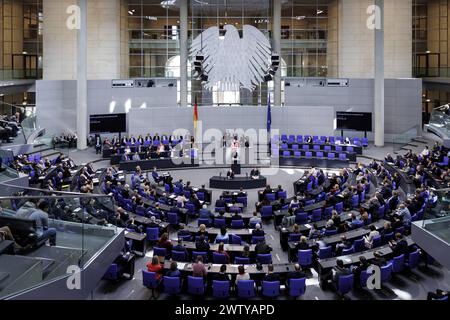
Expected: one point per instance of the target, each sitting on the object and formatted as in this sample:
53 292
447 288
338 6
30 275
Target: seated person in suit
270 276
343 244
399 246
254 174
222 275
258 231
362 266
155 175
236 216
339 270
262 248
378 259
303 244
173 271
297 273
179 247
220 203
230 174
202 245
205 213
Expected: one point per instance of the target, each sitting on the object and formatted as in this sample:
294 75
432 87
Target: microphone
246 175
220 174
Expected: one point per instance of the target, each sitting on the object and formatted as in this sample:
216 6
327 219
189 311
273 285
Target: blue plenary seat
297 287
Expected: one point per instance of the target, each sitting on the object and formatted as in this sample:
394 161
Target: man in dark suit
262 248
202 245
344 244
378 259
270 276
297 273
179 247
399 246
222 276
339 270
258 232
236 216
220 203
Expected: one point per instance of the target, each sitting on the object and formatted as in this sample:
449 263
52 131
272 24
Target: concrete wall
356 41
56 101
402 100
60 43
309 110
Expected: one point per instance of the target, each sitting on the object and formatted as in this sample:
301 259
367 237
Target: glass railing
442 72
439 224
440 118
404 138
78 228
9 74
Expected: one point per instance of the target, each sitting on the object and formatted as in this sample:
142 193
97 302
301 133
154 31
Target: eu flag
269 116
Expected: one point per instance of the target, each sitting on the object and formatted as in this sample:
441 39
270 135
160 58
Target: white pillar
82 77
183 52
276 47
379 78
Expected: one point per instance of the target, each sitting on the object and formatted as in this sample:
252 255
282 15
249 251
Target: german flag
195 117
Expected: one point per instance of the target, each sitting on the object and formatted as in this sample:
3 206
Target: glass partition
404 138
440 118
79 226
439 224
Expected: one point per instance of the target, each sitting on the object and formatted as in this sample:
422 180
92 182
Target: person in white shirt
242 275
425 152
368 240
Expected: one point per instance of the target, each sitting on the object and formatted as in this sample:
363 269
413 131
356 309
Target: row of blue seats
322 139
316 147
309 154
222 289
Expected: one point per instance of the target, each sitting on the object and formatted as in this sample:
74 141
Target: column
183 52
379 78
82 77
276 48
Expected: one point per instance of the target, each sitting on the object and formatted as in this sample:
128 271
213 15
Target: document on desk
308 226
172 196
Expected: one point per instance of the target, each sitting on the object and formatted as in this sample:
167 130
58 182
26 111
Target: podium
236 167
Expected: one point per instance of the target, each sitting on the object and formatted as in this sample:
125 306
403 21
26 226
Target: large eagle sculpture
232 62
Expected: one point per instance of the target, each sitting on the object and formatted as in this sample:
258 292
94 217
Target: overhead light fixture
428 100
131 12
167 3
2 94
24 52
428 52
319 11
152 18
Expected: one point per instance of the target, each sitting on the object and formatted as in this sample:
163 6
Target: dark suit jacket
262 248
258 233
272 277
296 275
202 246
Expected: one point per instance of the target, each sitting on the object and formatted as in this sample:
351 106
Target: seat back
294 237
241 260
398 263
152 234
305 257
234 239
112 273
339 207
264 258
196 285
172 285
316 215
246 288
413 259
200 253
221 289
219 222
325 252
271 289
160 252
301 217
266 212
149 279
237 224
172 218
219 258
179 256
358 244
386 272
345 284
348 251
257 239
376 241
297 287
